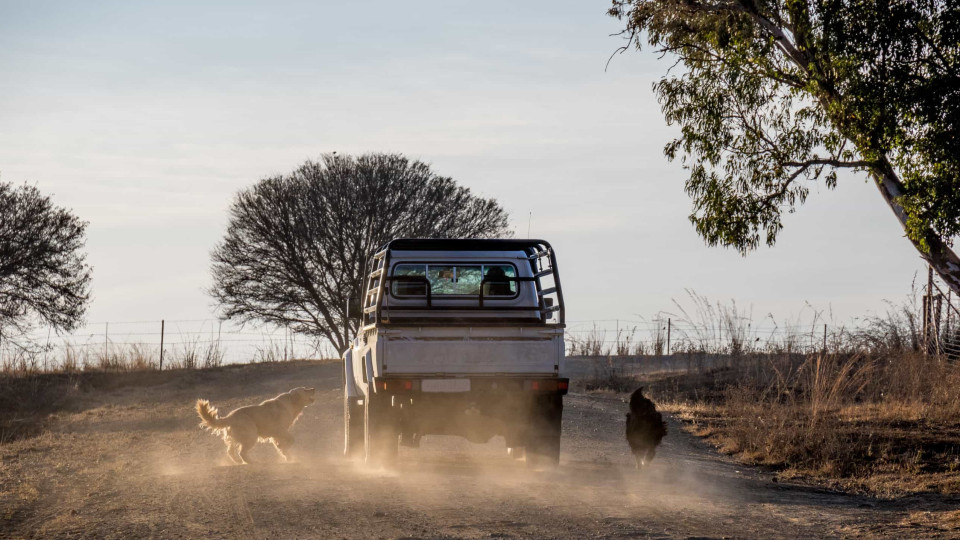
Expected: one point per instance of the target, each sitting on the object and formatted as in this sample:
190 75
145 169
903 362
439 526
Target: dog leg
652 451
283 444
232 449
244 453
639 461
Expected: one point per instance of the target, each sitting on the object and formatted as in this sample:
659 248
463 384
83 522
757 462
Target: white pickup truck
458 337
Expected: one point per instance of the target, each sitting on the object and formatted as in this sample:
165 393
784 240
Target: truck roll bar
378 266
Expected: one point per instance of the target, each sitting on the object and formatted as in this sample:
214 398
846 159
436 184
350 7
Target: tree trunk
940 256
943 260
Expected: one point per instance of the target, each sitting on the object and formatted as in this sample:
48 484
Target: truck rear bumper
409 386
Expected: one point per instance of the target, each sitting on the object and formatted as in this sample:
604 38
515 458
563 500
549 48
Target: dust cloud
132 462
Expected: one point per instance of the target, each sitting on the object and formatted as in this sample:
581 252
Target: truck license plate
445 385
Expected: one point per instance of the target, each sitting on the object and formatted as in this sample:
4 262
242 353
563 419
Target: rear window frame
482 265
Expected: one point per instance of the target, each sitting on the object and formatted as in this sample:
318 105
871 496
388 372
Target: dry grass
194 354
35 382
26 401
190 353
886 425
875 415
30 400
608 375
948 520
624 343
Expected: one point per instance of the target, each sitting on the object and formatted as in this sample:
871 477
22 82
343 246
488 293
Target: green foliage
772 95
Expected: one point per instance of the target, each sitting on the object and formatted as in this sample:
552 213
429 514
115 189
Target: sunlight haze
145 119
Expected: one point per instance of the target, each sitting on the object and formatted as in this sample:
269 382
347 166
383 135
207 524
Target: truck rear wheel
352 428
543 441
381 430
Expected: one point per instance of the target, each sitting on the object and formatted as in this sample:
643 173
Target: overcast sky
145 118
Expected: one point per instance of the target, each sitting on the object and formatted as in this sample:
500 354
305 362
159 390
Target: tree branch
863 164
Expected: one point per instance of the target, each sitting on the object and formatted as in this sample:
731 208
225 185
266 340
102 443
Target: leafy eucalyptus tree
297 244
773 94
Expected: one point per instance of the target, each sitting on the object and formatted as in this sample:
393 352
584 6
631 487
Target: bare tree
44 277
296 244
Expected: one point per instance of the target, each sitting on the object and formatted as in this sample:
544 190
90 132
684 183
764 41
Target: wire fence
668 335
940 318
158 344
926 320
210 342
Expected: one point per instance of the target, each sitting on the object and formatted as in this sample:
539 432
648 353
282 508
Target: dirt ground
131 462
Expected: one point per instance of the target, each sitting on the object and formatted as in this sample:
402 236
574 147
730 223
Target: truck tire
543 442
352 428
381 431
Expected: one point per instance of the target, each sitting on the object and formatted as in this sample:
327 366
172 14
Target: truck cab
458 337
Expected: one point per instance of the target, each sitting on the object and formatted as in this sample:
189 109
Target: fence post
46 349
949 307
106 330
162 325
824 339
669 325
936 325
928 313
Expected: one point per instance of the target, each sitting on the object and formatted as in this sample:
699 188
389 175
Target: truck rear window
455 280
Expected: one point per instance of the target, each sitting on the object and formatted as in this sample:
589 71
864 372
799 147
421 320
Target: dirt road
132 462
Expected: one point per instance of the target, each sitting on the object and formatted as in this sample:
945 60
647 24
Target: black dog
645 428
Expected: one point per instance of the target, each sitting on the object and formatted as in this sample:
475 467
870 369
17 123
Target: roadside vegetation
859 408
877 423
869 413
36 383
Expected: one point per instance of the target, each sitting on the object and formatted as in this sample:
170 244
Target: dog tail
208 416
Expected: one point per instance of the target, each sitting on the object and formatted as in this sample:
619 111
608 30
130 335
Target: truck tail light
547 385
398 385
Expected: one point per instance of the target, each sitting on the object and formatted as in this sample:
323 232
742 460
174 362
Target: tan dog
268 421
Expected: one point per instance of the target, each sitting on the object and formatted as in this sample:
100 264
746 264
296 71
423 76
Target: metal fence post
928 313
46 349
938 313
824 339
162 325
669 327
949 307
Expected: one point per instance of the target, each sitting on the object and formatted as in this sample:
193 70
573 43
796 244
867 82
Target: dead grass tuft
608 375
881 424
27 400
